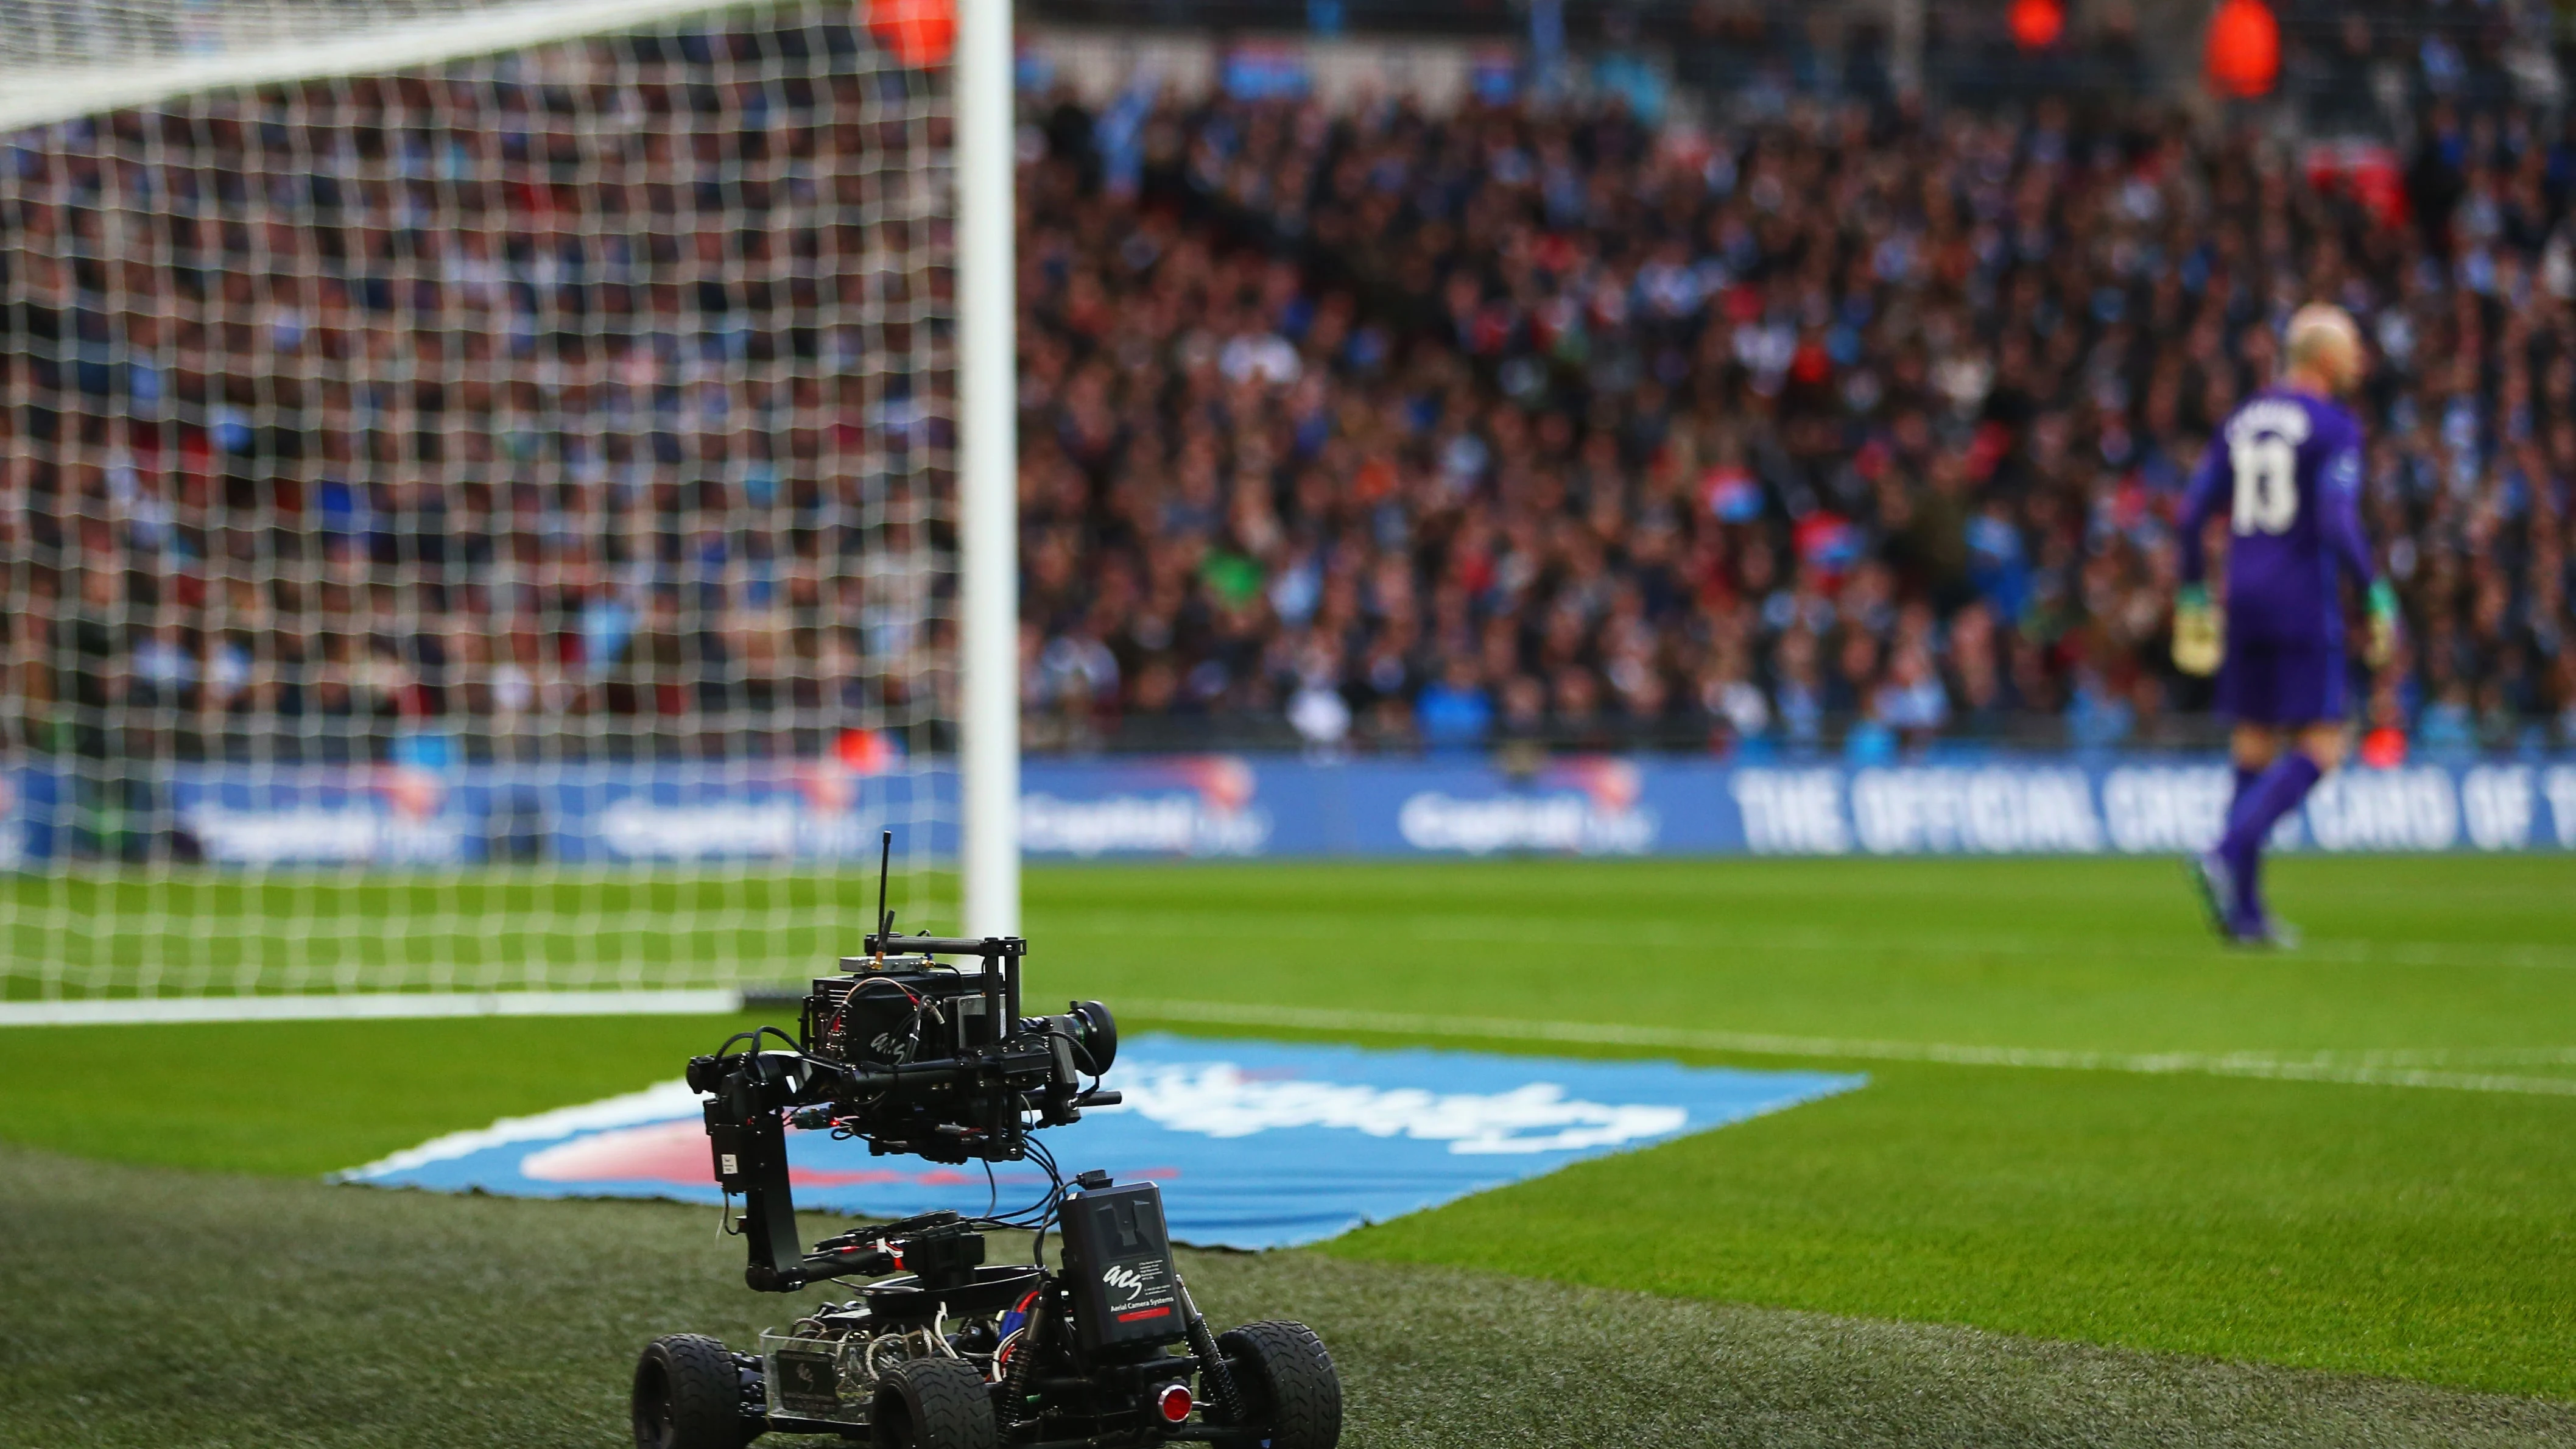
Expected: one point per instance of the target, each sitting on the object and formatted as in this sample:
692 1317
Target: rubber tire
688 1395
1287 1383
933 1403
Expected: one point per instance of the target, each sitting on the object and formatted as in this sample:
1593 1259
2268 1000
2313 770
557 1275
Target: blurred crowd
1858 425
613 398
591 399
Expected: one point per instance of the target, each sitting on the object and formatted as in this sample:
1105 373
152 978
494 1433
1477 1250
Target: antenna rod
885 918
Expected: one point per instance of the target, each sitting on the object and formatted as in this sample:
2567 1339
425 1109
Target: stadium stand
1368 427
1508 423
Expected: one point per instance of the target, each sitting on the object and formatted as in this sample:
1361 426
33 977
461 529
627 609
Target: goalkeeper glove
2383 626
2196 647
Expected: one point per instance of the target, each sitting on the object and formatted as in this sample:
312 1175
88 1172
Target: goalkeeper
2285 472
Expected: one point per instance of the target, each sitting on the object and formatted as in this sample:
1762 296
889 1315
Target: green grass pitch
2085 1122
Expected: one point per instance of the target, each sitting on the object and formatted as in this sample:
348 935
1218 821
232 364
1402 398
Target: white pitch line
365 1006
2355 1069
1555 934
2385 1067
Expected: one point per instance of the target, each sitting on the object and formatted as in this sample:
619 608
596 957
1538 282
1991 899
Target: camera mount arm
911 1056
749 1095
749 1142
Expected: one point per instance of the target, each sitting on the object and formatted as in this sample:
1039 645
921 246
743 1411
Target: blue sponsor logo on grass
1257 1144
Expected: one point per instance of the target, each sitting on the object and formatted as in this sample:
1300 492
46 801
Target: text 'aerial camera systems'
919 1057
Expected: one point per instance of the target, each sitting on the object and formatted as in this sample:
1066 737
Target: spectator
1911 701
1454 713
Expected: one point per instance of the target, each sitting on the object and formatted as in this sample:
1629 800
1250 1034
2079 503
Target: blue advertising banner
411 816
1235 806
1256 1144
2019 805
813 811
392 815
26 817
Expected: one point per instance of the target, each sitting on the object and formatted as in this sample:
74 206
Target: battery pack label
1139 1288
808 1383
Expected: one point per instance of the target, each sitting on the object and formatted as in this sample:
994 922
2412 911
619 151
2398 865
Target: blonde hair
2319 329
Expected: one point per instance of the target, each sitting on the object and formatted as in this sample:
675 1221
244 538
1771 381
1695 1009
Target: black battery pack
1118 1262
878 1020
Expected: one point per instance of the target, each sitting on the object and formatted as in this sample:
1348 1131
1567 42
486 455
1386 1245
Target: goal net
477 503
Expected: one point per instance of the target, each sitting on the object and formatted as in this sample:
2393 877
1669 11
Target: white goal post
498 501
988 465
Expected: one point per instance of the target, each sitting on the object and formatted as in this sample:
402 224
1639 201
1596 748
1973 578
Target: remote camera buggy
940 1348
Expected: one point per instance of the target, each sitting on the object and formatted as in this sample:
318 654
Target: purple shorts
2263 681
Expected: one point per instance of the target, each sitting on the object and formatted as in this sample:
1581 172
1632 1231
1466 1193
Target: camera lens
1090 1028
1099 1035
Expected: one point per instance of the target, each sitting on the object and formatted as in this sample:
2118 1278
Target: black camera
955 1088
919 1056
909 1055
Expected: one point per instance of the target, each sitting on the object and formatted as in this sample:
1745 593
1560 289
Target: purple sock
2245 779
2276 794
2249 876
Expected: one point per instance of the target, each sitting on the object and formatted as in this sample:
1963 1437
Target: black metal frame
964 1078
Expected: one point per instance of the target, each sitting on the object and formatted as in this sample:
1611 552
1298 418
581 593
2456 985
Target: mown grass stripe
2316 1067
291 1313
1301 923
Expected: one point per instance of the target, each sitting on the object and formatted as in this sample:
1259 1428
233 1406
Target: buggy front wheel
688 1395
933 1403
1287 1383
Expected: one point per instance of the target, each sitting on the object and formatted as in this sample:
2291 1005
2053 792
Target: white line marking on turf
2347 1068
2382 1067
660 1102
369 1005
2460 1056
1484 930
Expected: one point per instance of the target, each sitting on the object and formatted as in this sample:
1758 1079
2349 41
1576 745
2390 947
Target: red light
2244 48
1174 1402
918 32
2384 748
2036 24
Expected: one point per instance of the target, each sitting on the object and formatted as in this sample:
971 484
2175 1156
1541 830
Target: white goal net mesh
478 519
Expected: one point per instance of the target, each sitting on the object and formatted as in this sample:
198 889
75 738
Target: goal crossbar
366 1006
37 94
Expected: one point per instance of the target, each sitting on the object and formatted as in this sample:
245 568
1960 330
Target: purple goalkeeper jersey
2285 472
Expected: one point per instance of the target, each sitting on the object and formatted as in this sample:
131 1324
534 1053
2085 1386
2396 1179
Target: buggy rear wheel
688 1395
933 1403
1287 1383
